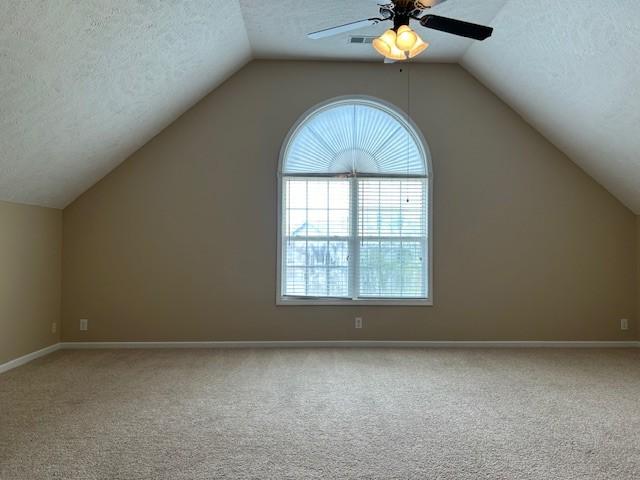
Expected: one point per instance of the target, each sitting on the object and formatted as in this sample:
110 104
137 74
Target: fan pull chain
408 113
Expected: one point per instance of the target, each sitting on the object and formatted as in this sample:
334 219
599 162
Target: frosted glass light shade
406 38
419 47
385 42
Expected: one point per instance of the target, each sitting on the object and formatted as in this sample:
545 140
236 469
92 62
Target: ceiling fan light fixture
386 46
406 38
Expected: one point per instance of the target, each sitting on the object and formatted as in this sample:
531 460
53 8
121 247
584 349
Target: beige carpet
323 414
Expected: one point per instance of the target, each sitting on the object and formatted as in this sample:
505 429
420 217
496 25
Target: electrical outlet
84 324
54 327
624 324
358 322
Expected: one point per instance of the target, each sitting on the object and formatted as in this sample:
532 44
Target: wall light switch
84 324
624 324
358 323
54 327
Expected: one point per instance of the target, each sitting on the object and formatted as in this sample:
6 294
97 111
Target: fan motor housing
404 11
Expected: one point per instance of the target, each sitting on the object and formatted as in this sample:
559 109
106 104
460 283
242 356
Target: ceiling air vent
362 40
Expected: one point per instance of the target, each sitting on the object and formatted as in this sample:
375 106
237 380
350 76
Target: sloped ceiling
85 84
570 68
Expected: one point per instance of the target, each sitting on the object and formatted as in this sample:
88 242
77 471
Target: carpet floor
322 414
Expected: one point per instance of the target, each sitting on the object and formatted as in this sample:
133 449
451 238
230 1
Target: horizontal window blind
317 238
354 238
392 238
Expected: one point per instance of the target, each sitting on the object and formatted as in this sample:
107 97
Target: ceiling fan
401 42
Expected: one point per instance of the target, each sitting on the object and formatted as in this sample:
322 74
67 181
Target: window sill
292 301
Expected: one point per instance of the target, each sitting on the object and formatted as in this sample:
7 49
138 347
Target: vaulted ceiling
85 84
570 68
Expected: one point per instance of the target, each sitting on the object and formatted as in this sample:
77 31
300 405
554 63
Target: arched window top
355 136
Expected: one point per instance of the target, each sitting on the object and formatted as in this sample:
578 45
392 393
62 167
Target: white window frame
404 119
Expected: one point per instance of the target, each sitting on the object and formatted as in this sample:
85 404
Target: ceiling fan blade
430 3
456 27
347 27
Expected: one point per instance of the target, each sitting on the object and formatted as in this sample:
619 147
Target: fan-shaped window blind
354 217
354 137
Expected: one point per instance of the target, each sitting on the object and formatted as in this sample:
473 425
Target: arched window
354 218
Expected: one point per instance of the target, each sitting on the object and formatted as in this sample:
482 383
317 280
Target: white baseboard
313 344
29 357
354 344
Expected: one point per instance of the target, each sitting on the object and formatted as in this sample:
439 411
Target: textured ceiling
570 68
266 20
84 84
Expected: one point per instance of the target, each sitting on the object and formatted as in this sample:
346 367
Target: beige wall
30 259
179 242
